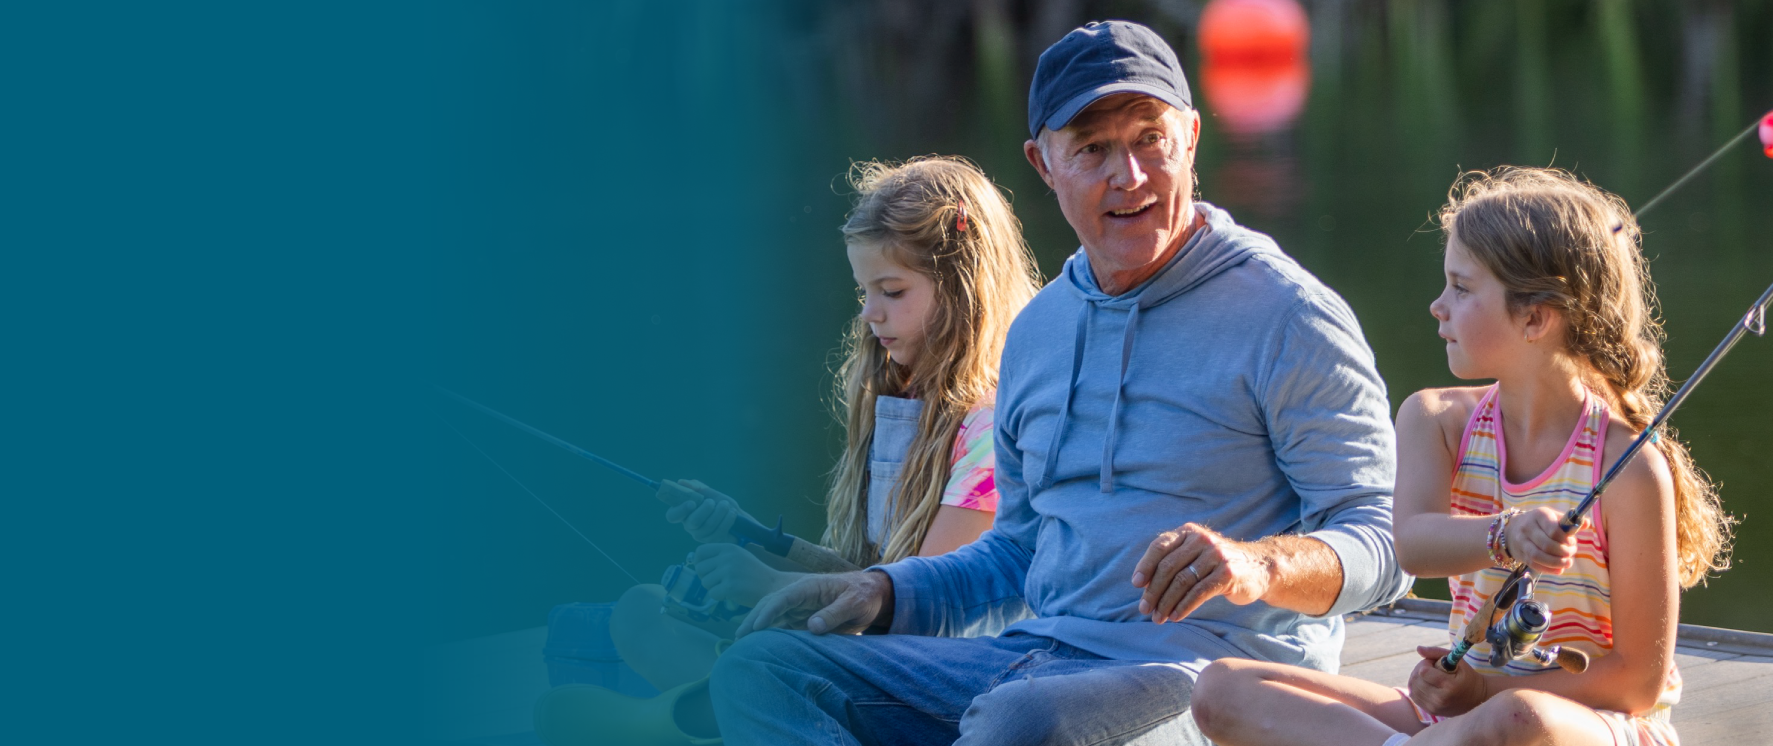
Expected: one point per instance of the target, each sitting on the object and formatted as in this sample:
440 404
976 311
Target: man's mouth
1131 212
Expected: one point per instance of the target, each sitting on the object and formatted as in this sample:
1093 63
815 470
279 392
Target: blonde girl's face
896 301
1482 336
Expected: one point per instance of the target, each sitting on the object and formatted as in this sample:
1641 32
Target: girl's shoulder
980 418
1648 470
1445 410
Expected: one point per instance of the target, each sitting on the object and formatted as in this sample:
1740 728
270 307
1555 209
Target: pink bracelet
1497 540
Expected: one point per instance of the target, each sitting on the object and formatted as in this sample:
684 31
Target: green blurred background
706 363
243 242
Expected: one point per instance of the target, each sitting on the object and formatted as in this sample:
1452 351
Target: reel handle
1569 659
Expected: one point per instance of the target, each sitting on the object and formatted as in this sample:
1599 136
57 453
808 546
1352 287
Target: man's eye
1091 149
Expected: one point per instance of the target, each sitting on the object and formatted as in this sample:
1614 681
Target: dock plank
1734 684
1392 639
1752 724
1727 697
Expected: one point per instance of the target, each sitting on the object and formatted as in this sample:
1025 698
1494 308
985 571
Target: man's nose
1127 173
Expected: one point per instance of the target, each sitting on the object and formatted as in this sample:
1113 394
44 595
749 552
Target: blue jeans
778 687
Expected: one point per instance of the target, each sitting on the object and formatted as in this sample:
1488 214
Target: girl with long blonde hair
942 270
1546 293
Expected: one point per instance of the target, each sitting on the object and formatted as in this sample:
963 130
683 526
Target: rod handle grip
1450 662
1572 660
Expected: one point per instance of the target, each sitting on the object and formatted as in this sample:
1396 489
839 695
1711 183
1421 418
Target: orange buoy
1767 134
1255 72
1253 31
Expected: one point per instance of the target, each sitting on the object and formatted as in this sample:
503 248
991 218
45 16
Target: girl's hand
1445 694
709 517
732 573
1535 539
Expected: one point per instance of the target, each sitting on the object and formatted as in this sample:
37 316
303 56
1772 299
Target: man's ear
1038 160
1193 125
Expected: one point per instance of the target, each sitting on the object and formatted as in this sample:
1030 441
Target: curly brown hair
1556 240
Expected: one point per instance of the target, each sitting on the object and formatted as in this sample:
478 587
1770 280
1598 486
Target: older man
1193 453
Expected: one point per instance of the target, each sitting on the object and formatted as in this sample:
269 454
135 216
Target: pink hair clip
960 216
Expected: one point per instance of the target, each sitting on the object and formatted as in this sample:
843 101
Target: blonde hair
1553 239
983 277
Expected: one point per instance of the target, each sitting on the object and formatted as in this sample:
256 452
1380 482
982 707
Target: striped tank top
1581 612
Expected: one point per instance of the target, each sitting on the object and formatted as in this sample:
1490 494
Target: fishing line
569 524
744 528
514 422
1719 153
1754 322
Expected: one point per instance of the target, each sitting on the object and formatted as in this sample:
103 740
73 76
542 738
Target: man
1182 374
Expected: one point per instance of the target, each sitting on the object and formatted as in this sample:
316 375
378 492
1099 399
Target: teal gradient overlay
243 242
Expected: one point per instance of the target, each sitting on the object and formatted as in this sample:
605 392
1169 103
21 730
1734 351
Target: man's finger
1168 569
763 616
1212 585
1154 551
835 615
1173 594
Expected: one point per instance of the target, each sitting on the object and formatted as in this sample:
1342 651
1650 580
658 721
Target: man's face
1124 173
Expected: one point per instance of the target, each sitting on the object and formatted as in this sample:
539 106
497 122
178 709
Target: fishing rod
1754 321
797 550
1525 619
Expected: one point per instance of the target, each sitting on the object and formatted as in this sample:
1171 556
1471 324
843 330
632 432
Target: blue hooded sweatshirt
1232 389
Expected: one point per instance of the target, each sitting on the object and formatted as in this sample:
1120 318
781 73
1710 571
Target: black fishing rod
1480 627
797 550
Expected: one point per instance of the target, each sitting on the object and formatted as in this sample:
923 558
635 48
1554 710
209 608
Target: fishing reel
686 600
1518 623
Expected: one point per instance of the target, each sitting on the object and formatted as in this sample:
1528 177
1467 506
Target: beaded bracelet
1497 540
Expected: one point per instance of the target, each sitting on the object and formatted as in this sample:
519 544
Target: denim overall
895 426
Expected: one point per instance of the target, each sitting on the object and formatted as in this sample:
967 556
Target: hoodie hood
1217 245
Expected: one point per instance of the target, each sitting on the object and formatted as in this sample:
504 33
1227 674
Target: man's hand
1534 538
1184 568
845 603
707 515
1445 694
732 573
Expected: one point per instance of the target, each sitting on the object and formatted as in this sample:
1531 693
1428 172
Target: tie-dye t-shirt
971 475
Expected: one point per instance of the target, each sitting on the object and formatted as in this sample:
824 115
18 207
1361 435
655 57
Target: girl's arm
1638 511
1431 542
953 528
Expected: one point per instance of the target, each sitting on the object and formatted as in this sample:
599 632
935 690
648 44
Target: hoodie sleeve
976 589
1330 426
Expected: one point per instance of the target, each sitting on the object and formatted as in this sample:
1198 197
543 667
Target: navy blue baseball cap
1101 58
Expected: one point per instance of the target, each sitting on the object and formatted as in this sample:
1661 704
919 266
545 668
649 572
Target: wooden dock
484 689
1726 699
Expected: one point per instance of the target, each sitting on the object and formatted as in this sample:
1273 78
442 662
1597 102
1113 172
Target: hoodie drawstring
1120 387
1077 351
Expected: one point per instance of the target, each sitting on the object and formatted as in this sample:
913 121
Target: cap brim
1083 100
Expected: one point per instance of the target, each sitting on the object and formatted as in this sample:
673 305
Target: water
1401 97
